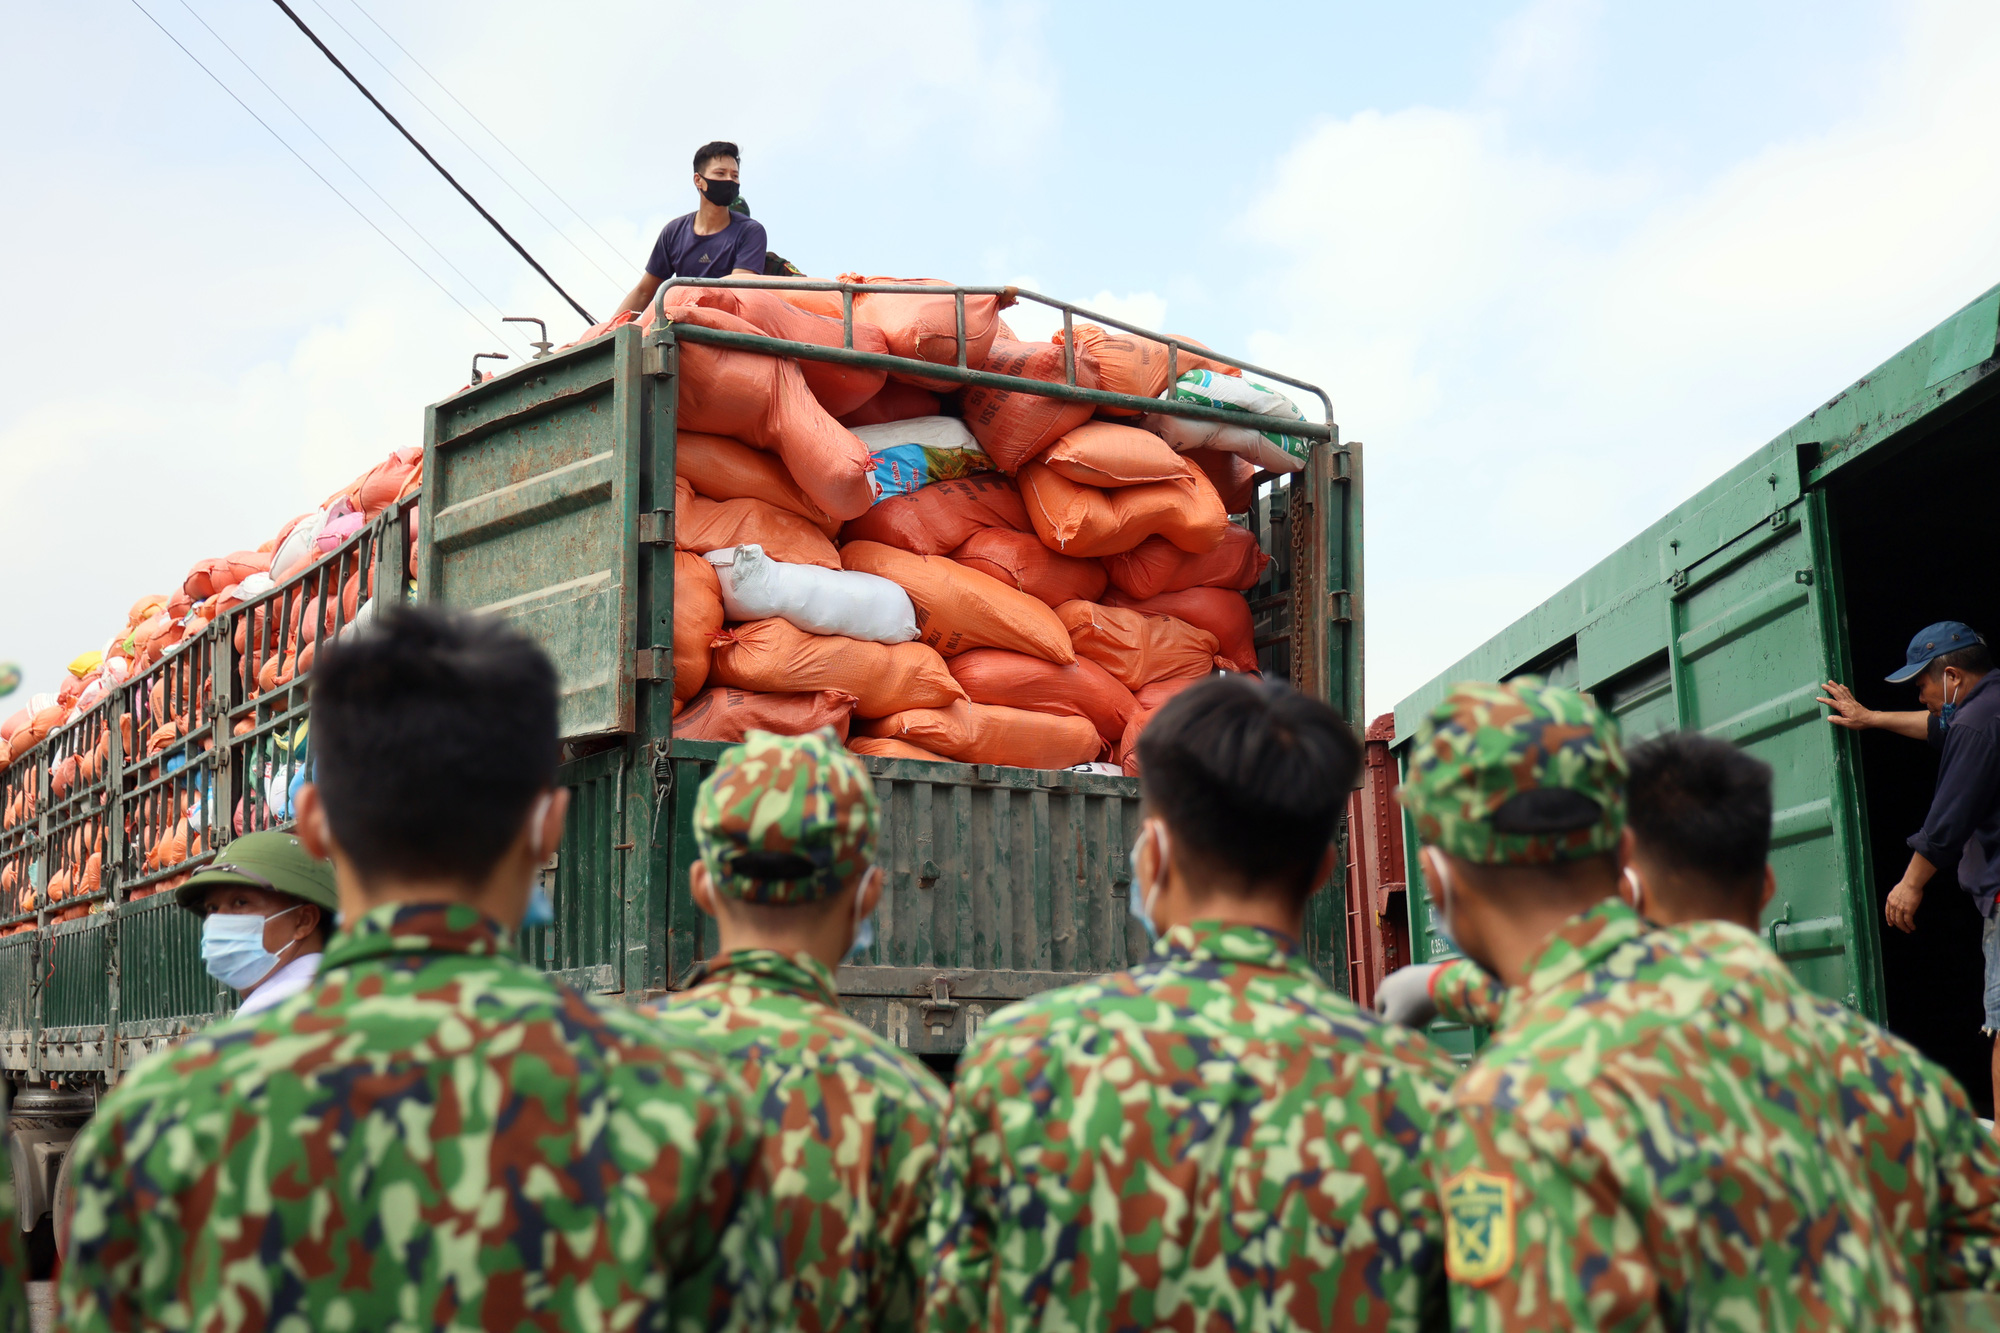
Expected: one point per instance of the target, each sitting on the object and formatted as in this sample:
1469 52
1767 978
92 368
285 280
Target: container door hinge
653 664
656 527
653 358
1340 607
1343 465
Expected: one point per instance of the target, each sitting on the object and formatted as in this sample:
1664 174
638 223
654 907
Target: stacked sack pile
167 827
966 574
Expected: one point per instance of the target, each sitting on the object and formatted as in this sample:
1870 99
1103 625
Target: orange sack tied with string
1137 648
725 714
724 469
1103 453
697 620
886 748
702 525
897 402
1223 612
983 734
923 325
959 608
1156 565
1014 426
763 401
840 389
1020 560
938 518
1233 476
776 656
1015 680
1090 521
1127 363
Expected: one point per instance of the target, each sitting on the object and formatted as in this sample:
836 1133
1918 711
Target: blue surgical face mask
541 908
1138 893
1950 707
1441 909
864 932
232 948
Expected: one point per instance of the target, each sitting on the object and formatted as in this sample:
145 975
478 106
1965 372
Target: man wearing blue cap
1960 717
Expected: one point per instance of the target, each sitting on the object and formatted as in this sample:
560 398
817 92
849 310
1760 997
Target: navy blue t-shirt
679 253
1962 831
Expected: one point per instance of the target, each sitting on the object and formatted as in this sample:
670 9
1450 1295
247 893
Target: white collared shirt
281 985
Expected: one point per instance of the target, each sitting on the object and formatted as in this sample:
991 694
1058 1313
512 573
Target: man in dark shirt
1960 718
712 241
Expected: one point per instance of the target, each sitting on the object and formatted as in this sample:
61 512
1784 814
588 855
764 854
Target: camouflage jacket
1933 1168
1214 1139
1642 1145
434 1136
853 1127
13 1255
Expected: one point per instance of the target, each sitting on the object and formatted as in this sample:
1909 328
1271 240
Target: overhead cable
315 170
388 115
343 160
613 249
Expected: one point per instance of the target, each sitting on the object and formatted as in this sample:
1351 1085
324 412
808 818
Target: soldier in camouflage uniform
1214 1138
786 829
435 1134
1701 822
1644 1143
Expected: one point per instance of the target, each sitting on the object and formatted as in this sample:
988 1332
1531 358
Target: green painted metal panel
160 977
532 486
76 969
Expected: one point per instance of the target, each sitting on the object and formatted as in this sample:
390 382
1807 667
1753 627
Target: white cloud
1541 358
1544 49
1034 322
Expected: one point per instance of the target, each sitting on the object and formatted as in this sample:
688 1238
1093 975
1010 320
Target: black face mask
720 193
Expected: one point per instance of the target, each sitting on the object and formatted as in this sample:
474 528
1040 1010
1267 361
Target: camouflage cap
786 819
1486 746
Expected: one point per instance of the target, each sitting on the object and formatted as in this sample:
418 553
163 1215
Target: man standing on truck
1610 1159
1700 815
436 1133
1960 717
1214 1138
786 830
266 909
714 241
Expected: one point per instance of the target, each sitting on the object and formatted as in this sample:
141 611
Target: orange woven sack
888 748
1019 560
1015 680
959 608
776 655
1150 700
1221 611
1014 426
378 487
984 734
724 714
702 525
697 620
938 518
897 402
1090 521
1233 476
724 469
924 325
145 609
764 401
839 388
1127 363
1135 647
1156 565
1101 453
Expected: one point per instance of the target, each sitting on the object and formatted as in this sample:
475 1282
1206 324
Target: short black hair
1251 776
1700 809
432 734
714 149
1975 660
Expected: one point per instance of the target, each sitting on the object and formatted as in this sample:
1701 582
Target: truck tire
59 1203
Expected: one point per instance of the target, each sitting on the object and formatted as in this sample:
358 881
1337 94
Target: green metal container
1814 559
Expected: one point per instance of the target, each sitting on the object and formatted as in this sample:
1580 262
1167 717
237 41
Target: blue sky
1557 262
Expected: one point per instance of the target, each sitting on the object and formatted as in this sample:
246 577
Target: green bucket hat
786 819
274 861
1481 755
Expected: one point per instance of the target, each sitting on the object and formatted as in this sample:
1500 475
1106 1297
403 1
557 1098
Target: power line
468 146
343 161
315 170
519 249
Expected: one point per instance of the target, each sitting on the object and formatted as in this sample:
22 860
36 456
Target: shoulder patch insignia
1478 1227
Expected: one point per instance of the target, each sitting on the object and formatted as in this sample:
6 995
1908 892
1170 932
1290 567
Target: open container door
530 501
1752 637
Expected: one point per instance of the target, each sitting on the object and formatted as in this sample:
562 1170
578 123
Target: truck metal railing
960 373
